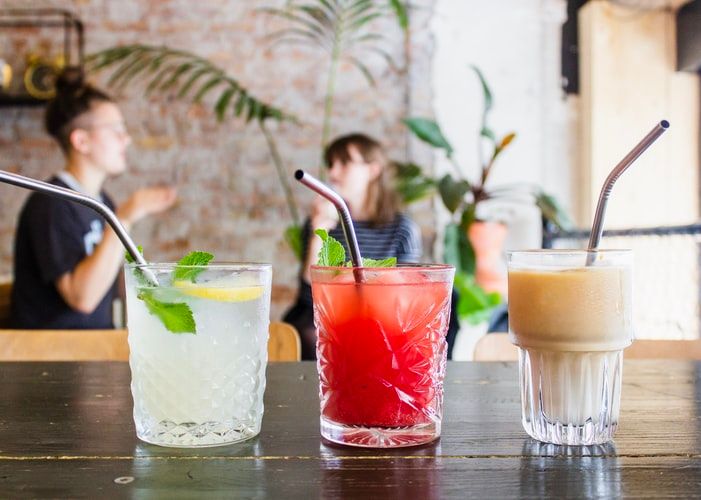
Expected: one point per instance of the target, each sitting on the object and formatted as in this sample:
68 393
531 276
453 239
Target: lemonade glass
203 387
381 352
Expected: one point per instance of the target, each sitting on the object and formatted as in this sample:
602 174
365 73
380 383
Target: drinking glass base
568 434
380 437
192 435
570 398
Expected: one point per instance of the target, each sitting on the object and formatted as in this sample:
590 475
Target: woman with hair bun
66 259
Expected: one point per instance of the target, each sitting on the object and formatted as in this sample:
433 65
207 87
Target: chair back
112 345
284 343
5 292
497 347
63 345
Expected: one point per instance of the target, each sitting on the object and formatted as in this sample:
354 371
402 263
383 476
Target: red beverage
382 352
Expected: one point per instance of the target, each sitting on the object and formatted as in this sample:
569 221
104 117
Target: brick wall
230 201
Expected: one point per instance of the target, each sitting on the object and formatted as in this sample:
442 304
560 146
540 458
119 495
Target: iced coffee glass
571 320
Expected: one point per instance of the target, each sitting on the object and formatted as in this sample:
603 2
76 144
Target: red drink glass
381 353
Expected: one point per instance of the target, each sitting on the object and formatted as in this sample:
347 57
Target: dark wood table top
66 430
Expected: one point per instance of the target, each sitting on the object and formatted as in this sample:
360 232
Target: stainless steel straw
346 223
69 194
598 225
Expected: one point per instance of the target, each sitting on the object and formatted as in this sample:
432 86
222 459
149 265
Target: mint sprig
388 262
129 258
177 317
184 273
332 254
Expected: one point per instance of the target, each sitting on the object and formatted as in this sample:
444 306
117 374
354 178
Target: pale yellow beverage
571 322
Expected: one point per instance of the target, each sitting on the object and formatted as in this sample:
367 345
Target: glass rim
568 251
253 266
403 266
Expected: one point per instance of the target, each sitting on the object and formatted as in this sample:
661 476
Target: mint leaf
175 316
388 262
332 253
129 258
191 259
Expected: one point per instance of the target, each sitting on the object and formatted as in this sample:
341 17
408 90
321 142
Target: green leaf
127 61
488 101
129 258
388 262
553 211
475 304
411 184
223 103
332 253
293 237
489 134
176 316
429 132
182 270
401 11
209 85
458 250
468 217
452 192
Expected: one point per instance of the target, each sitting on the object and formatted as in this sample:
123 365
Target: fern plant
188 76
342 30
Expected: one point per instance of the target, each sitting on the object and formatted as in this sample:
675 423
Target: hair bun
70 80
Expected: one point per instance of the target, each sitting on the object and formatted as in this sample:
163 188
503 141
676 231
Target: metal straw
598 225
99 207
343 212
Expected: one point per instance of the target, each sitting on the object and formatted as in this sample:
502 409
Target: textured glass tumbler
198 383
571 322
381 352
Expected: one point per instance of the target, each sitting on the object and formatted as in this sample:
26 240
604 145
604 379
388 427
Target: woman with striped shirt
361 173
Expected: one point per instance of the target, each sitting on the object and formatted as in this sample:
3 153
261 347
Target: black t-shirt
53 236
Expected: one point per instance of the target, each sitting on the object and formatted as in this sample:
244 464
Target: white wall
516 44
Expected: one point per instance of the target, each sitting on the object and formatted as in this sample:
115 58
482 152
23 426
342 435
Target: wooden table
66 430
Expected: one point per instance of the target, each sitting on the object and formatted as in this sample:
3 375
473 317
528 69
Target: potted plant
472 243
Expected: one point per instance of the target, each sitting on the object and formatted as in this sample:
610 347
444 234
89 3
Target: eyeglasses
119 128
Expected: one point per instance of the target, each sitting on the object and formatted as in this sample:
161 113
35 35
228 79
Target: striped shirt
400 238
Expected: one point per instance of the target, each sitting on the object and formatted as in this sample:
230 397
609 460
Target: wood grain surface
66 430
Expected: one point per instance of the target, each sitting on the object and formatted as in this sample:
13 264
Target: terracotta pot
487 239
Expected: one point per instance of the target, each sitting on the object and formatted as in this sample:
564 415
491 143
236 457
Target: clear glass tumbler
381 352
198 351
571 320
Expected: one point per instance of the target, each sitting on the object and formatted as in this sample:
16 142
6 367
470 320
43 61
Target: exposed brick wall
230 201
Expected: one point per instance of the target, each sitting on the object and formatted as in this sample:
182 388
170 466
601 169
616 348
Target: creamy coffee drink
571 323
584 309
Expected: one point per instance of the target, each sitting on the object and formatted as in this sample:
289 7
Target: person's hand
323 214
145 202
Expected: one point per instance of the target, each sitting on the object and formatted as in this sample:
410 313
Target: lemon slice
221 294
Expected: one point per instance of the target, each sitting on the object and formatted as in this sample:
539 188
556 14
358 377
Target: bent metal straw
346 223
598 225
69 194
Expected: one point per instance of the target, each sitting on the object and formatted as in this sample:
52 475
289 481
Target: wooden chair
5 291
497 347
284 343
111 345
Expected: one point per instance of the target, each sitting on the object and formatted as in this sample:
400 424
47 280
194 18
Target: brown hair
382 200
73 98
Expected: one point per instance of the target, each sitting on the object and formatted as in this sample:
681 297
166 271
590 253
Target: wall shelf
72 51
